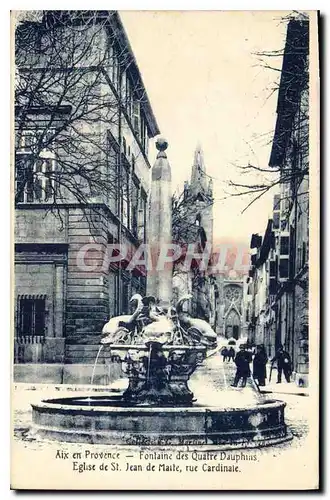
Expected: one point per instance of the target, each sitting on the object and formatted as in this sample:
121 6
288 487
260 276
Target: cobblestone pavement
211 386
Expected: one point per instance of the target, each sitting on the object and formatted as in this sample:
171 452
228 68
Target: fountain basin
109 420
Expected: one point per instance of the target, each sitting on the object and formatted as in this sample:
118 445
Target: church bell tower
201 193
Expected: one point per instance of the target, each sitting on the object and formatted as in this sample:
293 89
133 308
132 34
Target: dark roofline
293 80
256 240
151 119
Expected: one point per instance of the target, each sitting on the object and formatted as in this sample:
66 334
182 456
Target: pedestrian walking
259 365
283 361
224 353
242 361
231 354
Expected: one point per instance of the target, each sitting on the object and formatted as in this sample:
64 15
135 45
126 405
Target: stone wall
86 293
36 226
67 373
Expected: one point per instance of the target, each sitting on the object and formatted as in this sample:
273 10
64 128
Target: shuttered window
31 316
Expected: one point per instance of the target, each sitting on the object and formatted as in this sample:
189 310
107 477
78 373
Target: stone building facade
261 289
66 287
287 236
231 306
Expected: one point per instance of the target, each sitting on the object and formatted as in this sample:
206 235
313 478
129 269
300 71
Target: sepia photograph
165 250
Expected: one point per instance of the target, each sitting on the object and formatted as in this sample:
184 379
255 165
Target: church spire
198 174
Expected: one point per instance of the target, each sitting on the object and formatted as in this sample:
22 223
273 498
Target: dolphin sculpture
161 327
116 325
197 328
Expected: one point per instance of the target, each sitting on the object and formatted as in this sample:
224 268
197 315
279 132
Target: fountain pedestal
158 376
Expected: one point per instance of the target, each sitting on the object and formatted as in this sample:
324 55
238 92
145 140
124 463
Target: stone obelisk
159 279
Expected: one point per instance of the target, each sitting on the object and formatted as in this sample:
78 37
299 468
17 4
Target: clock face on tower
233 293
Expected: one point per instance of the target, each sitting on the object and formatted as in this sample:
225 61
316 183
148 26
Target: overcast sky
205 85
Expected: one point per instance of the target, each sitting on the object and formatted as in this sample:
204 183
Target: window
123 87
129 97
294 265
126 198
143 132
285 203
131 102
113 284
299 258
284 268
125 296
114 65
35 171
112 170
276 211
142 215
146 145
276 220
272 269
283 224
110 238
25 140
277 202
135 206
272 286
111 59
232 294
284 245
31 316
136 117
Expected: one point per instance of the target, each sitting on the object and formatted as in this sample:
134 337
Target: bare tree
185 232
184 229
70 96
290 145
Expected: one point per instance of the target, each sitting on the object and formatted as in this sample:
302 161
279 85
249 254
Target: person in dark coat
259 365
283 360
231 354
224 353
242 361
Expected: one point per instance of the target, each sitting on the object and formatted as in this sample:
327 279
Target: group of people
228 354
258 356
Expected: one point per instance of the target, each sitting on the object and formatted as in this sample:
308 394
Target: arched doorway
233 325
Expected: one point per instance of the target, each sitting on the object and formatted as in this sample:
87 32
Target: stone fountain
160 348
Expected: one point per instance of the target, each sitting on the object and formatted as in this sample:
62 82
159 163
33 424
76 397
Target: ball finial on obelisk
161 145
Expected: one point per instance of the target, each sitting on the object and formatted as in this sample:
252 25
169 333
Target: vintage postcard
165 205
